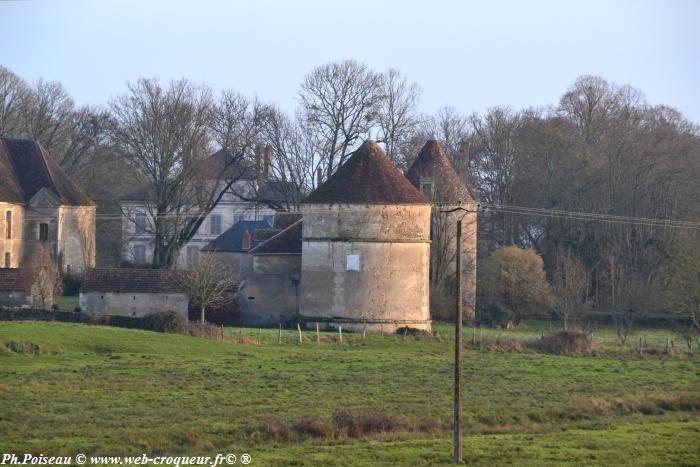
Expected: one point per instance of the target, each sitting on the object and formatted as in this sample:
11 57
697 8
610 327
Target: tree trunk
202 315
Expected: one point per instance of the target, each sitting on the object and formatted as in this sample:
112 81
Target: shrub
356 425
165 321
566 343
22 347
72 284
228 313
276 428
493 315
314 426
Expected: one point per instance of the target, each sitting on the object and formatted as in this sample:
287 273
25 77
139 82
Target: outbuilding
132 292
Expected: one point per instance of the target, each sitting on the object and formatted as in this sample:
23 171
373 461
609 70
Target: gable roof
286 242
231 240
432 164
11 279
132 280
26 168
367 177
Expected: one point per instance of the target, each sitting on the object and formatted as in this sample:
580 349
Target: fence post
279 334
364 331
340 333
318 334
259 336
301 339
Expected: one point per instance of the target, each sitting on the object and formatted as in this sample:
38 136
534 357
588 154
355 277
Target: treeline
601 149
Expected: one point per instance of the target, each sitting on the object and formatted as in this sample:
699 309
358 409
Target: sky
468 54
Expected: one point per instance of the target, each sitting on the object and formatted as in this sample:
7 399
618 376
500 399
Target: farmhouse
248 199
433 174
270 292
132 292
40 204
366 248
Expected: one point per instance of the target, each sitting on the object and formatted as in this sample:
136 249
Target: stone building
433 174
232 247
19 288
366 248
270 292
40 204
132 292
249 199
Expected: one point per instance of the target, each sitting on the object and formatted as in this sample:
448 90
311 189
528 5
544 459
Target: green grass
67 303
68 388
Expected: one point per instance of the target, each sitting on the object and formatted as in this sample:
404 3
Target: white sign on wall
353 263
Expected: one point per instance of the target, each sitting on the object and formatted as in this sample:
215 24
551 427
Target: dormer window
427 189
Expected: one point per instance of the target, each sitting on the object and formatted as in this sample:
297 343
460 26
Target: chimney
259 155
319 176
267 166
245 240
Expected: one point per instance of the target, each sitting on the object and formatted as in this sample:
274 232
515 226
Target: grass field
69 388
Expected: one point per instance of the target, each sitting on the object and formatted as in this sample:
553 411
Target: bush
226 314
356 425
314 426
72 284
566 343
29 314
277 428
493 315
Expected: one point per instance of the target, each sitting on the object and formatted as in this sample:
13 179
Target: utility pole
457 417
457 429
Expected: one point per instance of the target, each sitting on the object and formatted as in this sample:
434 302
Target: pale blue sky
469 54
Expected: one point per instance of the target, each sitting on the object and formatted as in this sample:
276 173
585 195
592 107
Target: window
427 189
215 224
140 222
8 258
8 225
192 255
43 232
245 240
139 253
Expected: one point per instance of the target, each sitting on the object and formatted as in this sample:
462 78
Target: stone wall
132 304
270 294
14 245
366 265
76 238
443 258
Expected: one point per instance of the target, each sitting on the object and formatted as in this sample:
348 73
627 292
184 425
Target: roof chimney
259 155
245 240
267 164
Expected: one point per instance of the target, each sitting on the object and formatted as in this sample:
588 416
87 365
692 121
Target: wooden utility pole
458 352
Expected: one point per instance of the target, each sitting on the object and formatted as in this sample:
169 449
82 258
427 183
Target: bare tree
41 278
14 92
340 103
166 136
397 115
208 283
570 281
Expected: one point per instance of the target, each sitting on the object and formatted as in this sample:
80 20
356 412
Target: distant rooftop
231 241
368 176
131 280
433 165
286 242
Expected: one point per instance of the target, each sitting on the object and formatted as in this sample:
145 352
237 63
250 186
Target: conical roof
433 165
368 177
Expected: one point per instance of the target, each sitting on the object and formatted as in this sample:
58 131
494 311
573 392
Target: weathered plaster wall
76 237
270 294
132 304
391 244
14 246
443 258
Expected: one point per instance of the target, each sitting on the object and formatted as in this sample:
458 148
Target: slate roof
11 279
132 280
26 168
261 235
432 164
230 241
367 177
286 242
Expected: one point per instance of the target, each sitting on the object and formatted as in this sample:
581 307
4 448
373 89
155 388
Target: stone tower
433 174
366 248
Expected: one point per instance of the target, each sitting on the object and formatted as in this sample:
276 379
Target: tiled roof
260 235
132 280
11 279
285 219
368 176
26 168
231 240
286 242
433 165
